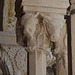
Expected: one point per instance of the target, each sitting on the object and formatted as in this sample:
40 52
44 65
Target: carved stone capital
54 24
41 28
35 31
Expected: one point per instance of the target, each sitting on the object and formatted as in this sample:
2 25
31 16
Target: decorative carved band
17 55
21 59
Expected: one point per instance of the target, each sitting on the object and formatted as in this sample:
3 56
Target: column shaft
37 63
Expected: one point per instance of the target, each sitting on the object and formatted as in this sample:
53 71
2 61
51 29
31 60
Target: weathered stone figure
35 31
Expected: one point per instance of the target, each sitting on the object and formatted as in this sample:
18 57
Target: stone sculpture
35 31
41 29
56 30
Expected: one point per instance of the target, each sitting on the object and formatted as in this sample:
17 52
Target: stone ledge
47 4
8 38
44 9
53 6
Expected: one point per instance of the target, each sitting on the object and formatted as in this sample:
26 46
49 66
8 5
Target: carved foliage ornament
40 33
35 31
29 22
17 55
56 28
54 24
21 59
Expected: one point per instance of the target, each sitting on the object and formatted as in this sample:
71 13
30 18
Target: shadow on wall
1 14
21 40
51 70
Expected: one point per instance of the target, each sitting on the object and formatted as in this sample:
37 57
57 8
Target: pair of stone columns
40 29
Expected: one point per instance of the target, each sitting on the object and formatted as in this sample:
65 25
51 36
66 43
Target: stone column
37 63
57 30
61 55
73 34
62 64
9 19
38 42
52 13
